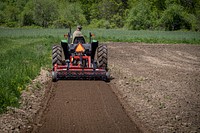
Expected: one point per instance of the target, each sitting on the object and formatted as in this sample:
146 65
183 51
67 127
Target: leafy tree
70 14
139 17
176 18
107 9
94 12
27 15
102 23
2 14
21 4
45 12
134 14
12 15
113 11
197 12
189 5
90 9
160 5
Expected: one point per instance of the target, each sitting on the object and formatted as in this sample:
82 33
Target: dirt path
85 106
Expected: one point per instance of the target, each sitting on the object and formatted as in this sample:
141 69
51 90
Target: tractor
76 59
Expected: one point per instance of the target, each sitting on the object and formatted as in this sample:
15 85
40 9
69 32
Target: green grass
170 37
114 35
24 51
21 58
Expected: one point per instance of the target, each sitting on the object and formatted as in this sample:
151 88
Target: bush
139 17
61 23
102 23
2 17
176 18
11 24
27 15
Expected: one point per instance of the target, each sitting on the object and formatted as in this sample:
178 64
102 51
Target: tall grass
20 61
170 37
114 35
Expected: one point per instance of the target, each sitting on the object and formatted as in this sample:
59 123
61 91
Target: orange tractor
76 59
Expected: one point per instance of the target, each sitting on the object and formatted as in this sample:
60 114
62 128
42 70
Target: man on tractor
78 59
77 33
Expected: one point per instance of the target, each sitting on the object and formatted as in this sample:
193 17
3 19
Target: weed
137 79
162 105
37 85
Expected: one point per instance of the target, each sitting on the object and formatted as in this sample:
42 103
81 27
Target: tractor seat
79 40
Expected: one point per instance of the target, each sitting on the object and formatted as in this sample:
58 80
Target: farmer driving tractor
77 34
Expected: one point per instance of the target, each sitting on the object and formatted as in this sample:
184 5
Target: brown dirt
160 84
85 106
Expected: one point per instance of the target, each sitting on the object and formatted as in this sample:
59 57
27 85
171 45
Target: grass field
22 55
21 60
114 35
148 36
24 51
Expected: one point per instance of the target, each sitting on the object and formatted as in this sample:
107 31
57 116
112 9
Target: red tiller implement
80 60
69 71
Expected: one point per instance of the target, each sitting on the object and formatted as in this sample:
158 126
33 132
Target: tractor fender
94 41
64 41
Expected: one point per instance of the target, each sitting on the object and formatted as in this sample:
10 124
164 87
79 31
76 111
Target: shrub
176 18
102 23
140 16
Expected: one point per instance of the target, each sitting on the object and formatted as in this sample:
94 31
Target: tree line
130 14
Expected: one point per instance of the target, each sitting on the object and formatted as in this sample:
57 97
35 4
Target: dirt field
160 83
156 86
84 106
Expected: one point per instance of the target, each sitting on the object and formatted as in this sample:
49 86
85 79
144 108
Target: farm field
160 83
158 86
113 35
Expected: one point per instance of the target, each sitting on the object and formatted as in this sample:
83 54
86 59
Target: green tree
2 14
12 15
197 12
70 14
90 9
27 15
45 12
176 18
113 11
134 14
139 17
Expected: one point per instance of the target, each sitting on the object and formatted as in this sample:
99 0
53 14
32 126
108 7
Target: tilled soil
84 106
160 83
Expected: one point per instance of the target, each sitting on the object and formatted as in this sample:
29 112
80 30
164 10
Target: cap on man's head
79 27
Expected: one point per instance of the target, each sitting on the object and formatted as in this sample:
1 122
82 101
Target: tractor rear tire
56 55
102 56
